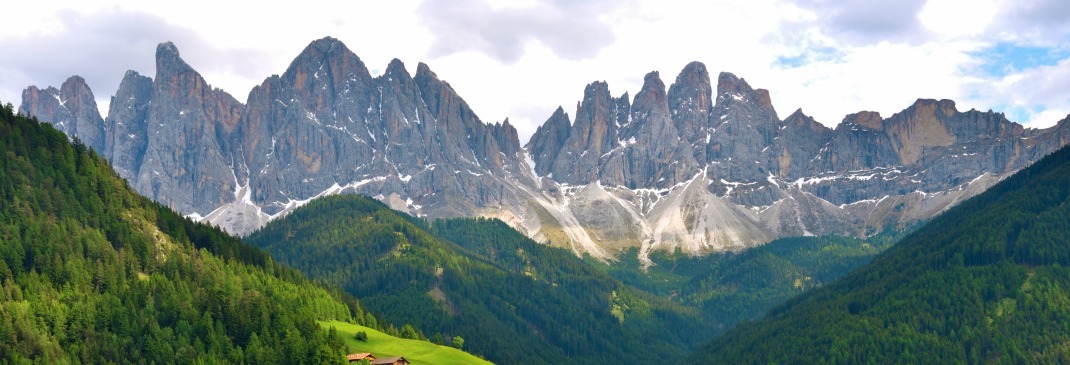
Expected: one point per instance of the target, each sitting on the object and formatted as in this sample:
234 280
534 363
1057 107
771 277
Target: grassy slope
417 352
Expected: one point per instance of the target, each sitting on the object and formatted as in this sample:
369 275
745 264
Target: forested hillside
518 301
513 300
738 286
986 282
91 272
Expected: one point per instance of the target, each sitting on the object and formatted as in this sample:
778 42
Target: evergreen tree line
92 272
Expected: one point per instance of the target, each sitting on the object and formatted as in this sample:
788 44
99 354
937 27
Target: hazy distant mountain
698 166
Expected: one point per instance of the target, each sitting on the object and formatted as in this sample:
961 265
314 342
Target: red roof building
360 356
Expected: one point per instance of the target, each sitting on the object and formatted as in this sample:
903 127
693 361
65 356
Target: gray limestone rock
548 141
186 165
697 166
127 125
72 109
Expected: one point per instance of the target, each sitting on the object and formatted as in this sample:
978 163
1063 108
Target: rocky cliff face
71 109
126 125
326 125
187 164
697 166
548 141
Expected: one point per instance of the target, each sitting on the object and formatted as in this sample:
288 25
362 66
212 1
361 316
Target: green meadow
383 345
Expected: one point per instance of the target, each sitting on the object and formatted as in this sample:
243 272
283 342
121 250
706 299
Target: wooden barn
391 361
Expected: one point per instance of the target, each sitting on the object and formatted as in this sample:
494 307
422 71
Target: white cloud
1040 96
954 18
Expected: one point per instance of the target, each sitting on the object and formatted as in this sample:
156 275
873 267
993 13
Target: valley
636 229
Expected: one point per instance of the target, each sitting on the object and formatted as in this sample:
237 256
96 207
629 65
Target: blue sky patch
1021 114
1006 58
790 62
808 56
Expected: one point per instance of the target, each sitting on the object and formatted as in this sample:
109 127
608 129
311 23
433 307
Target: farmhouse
360 356
391 361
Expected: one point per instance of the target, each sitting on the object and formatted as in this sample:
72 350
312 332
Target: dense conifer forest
986 282
91 272
513 300
518 301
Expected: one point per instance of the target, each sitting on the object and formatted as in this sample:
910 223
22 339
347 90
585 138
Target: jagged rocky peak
320 52
797 143
921 127
71 109
324 70
167 51
396 68
694 76
799 118
461 135
651 100
186 111
653 155
424 71
742 129
593 133
690 102
133 85
169 60
440 97
730 85
624 110
549 138
127 131
927 110
868 119
507 137
401 107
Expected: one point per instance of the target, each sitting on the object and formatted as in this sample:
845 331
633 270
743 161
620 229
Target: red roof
358 357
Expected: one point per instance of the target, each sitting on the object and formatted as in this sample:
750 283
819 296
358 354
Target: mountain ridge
670 165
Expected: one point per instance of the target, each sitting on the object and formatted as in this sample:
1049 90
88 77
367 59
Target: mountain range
695 166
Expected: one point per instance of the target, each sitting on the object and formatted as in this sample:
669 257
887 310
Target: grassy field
417 352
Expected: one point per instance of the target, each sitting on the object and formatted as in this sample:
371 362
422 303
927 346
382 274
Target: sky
521 59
